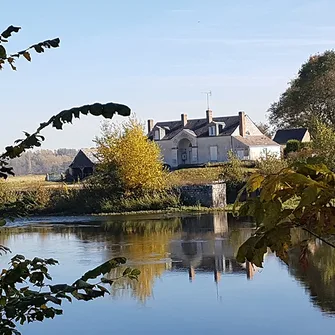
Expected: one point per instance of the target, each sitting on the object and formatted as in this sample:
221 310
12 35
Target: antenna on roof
208 94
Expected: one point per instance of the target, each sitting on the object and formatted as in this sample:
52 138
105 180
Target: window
156 136
213 151
240 153
212 130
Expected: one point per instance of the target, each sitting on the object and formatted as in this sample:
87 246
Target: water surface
190 280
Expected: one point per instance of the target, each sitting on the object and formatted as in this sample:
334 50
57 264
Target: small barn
83 165
284 135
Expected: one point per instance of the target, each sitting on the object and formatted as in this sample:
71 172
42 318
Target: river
190 280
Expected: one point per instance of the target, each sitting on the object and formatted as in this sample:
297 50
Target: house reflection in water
206 245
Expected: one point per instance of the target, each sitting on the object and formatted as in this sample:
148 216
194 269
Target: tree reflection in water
190 244
312 263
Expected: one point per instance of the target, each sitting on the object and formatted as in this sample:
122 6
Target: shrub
234 171
302 156
154 201
7 193
292 146
323 143
270 164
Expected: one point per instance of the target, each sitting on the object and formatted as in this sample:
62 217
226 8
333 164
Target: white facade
200 142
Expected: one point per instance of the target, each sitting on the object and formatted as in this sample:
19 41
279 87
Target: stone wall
209 195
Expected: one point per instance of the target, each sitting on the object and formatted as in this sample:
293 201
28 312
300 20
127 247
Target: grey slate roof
199 126
284 135
84 158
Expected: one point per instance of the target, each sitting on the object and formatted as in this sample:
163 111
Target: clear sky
157 57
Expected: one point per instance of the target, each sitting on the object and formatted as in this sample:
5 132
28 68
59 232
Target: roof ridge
197 119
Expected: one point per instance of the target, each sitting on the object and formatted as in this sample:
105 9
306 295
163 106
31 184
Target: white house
199 141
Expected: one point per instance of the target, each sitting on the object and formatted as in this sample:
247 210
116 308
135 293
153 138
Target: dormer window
212 130
159 133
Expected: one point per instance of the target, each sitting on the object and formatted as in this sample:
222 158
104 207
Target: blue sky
157 57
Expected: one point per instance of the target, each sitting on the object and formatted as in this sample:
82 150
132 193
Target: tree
129 159
265 128
311 94
323 143
43 161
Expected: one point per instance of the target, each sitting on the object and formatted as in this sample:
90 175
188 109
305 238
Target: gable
250 128
81 161
185 134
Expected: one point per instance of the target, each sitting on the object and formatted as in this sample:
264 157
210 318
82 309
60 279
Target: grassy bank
32 195
168 211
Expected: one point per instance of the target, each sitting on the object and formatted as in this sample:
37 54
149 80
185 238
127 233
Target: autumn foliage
133 162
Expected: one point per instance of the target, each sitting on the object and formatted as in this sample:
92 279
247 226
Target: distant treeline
43 161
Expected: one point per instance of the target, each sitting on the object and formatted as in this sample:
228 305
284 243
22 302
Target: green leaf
103 289
61 288
36 277
136 272
249 252
81 284
8 32
107 281
49 313
272 213
64 296
309 195
39 316
18 258
104 268
53 299
126 271
3 53
254 182
3 301
81 296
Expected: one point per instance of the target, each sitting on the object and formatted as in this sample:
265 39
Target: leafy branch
20 302
57 121
308 188
38 47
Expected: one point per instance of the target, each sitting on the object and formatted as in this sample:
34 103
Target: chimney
150 125
184 119
209 116
241 116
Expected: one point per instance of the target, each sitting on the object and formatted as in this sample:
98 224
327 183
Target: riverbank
58 201
32 195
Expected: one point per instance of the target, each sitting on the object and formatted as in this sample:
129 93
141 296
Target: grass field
29 181
176 178
180 177
193 176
